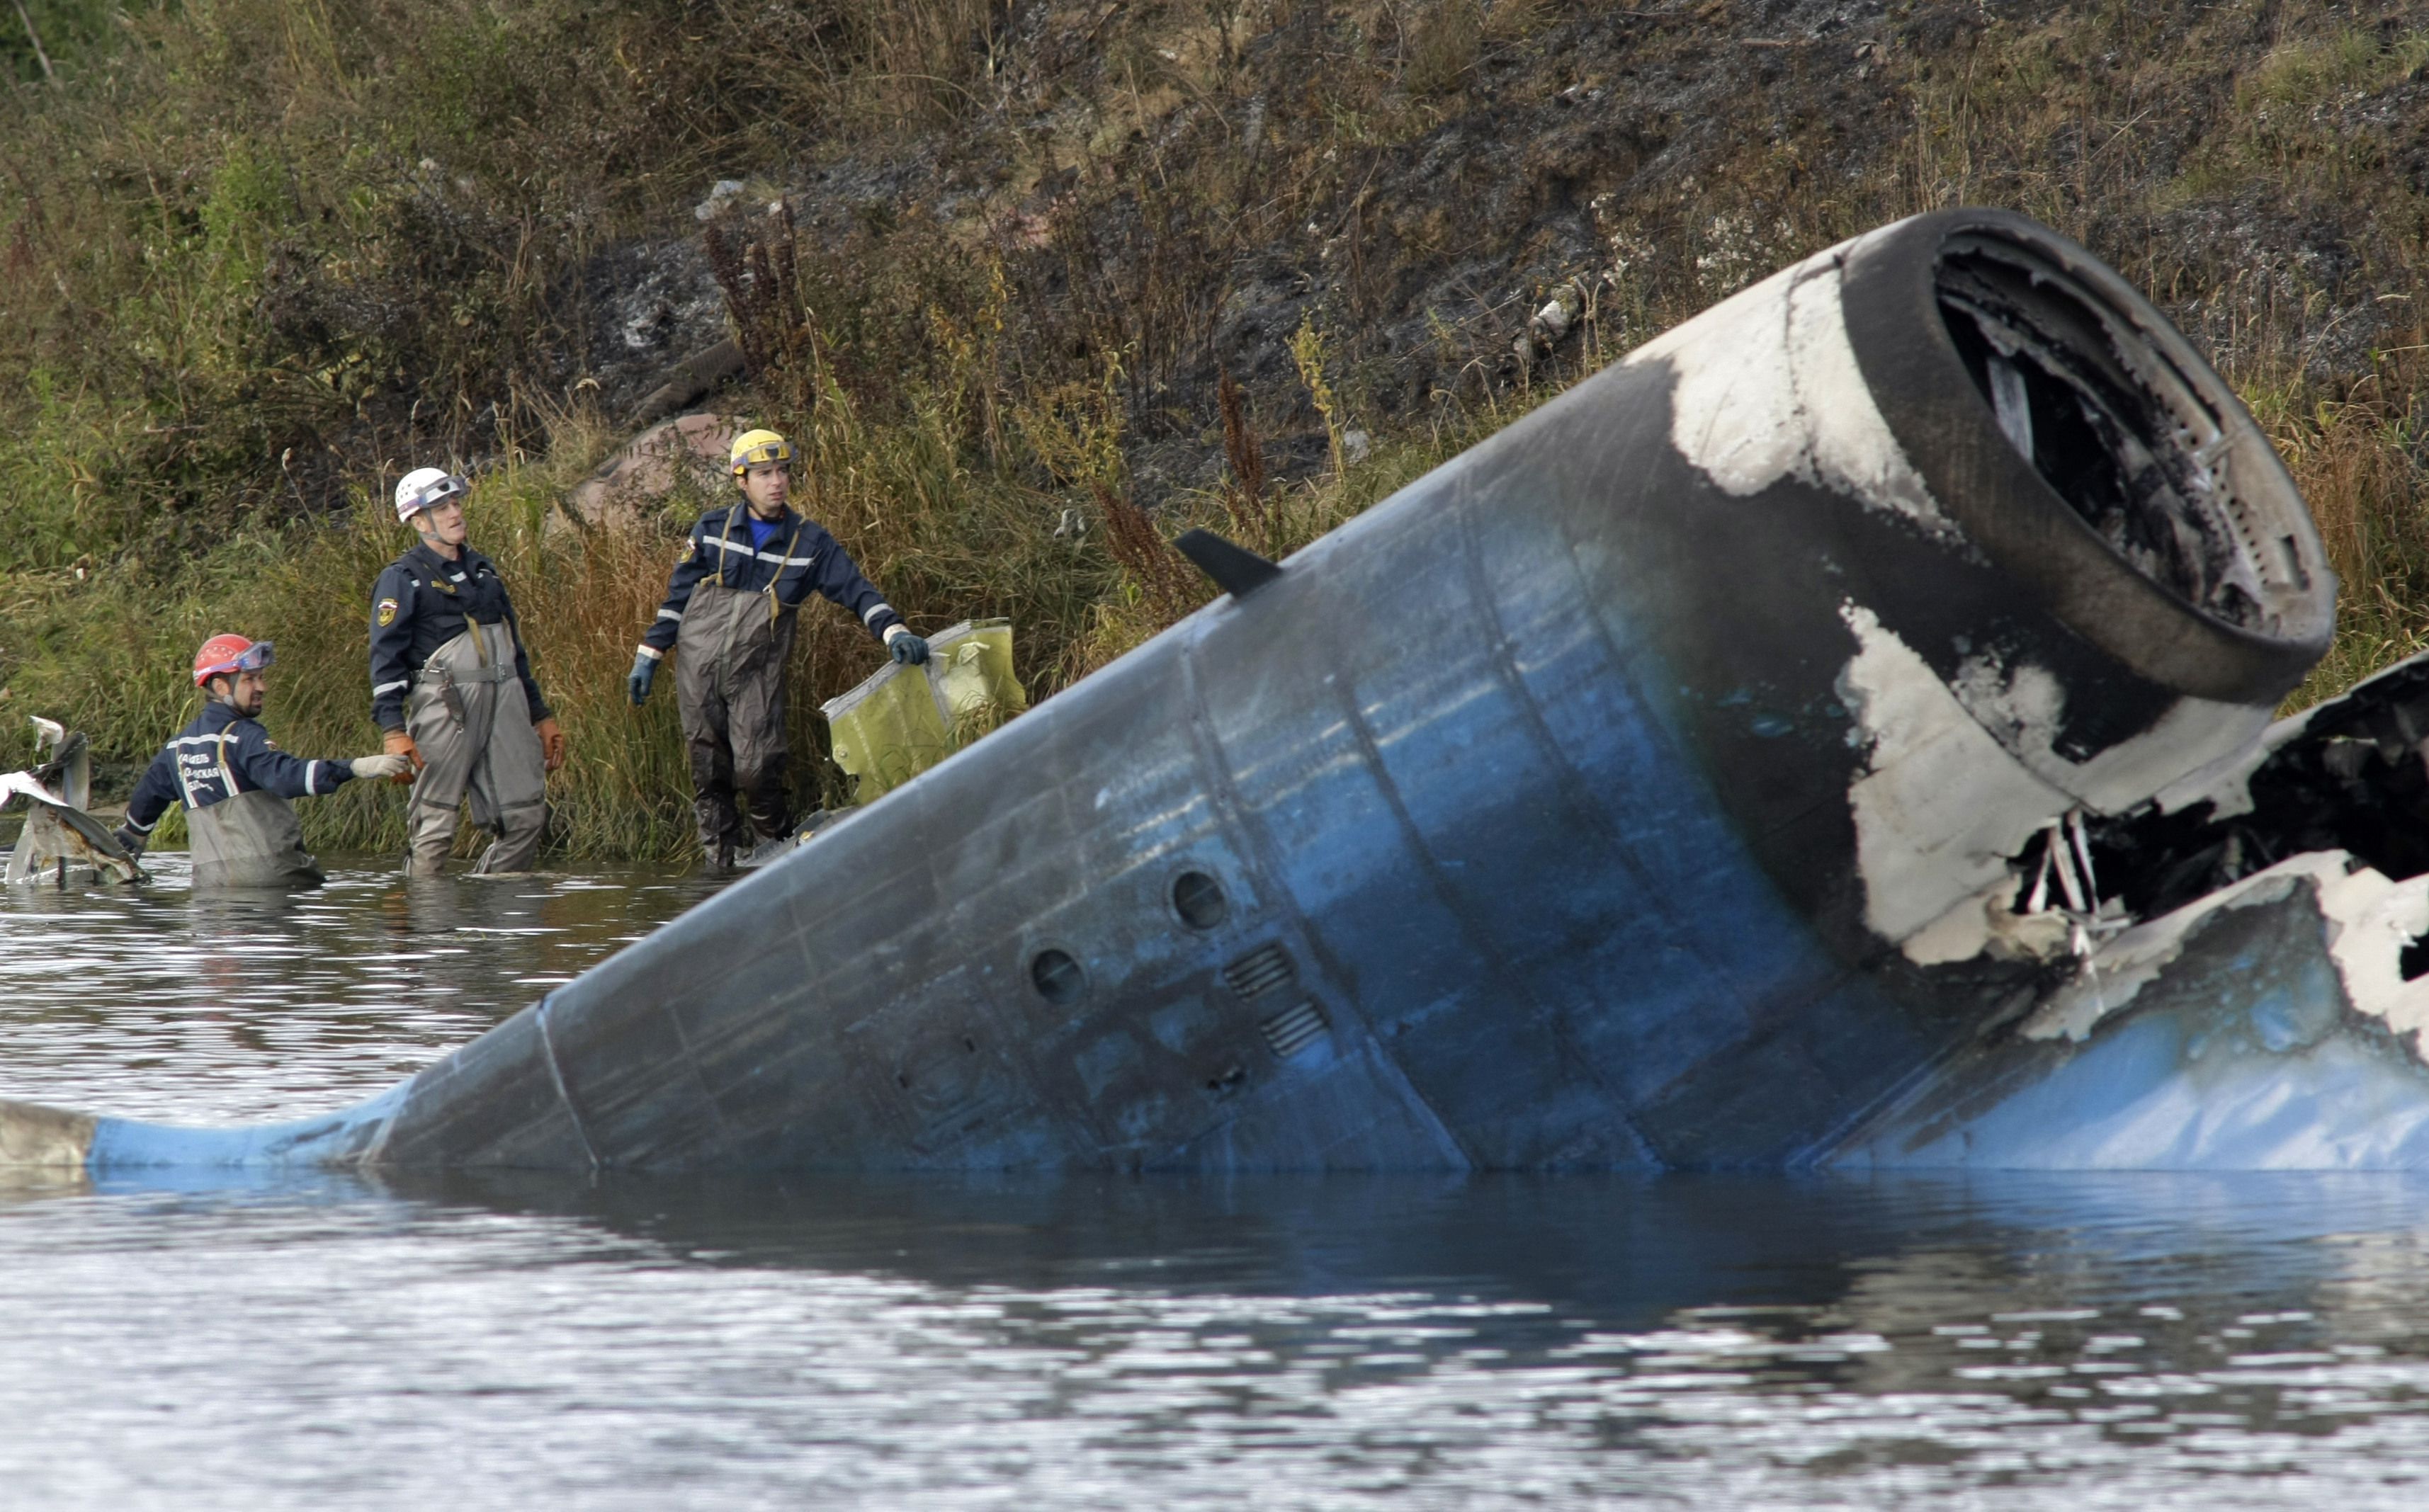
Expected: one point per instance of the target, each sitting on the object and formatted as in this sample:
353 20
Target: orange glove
397 743
551 743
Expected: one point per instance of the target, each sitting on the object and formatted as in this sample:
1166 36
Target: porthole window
1057 978
1198 899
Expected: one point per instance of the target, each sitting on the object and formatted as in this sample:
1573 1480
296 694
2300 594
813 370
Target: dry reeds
1155 573
1256 518
757 265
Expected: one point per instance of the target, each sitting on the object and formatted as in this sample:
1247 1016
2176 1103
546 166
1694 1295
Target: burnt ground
1185 196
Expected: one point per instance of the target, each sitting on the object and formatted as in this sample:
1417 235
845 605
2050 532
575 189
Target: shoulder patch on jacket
386 613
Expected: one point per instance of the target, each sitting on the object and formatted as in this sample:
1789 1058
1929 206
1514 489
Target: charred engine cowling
2022 555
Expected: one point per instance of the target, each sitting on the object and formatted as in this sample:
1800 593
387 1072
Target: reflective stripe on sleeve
737 549
880 607
390 687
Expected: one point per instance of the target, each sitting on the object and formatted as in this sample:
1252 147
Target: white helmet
425 487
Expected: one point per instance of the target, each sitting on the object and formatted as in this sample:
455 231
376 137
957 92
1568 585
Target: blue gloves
636 682
908 650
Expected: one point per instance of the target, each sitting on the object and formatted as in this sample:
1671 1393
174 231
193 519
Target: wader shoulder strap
725 547
775 604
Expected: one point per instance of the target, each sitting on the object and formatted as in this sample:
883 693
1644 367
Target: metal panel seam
1225 796
557 1077
1576 794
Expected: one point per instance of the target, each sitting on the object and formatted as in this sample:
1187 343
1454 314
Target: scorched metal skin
1646 787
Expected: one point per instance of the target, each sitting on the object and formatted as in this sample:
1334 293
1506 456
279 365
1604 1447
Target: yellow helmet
758 447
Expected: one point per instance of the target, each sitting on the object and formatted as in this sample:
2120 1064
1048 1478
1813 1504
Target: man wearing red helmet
235 782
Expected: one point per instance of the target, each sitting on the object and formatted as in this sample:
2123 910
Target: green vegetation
1064 279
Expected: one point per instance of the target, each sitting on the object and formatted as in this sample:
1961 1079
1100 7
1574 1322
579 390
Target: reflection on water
509 1341
241 1006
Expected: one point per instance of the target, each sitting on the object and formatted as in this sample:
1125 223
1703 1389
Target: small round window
1198 899
1057 978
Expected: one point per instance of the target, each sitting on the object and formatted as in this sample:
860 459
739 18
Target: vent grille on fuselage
1260 971
1293 1030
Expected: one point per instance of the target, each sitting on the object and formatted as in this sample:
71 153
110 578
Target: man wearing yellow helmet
729 616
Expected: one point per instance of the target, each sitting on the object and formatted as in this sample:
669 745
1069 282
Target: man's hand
397 743
636 682
551 743
908 650
391 764
130 840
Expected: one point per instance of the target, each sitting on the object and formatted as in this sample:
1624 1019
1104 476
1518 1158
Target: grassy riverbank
258 257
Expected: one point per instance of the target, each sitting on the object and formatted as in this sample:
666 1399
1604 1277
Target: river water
1727 1343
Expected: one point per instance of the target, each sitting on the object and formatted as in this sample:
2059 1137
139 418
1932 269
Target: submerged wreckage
1838 733
61 843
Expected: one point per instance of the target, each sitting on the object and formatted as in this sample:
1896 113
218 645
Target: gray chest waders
469 717
251 839
730 661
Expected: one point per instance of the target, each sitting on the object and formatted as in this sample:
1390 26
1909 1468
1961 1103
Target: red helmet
227 655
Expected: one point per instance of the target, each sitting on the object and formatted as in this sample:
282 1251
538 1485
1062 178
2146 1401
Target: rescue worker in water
235 782
452 687
729 617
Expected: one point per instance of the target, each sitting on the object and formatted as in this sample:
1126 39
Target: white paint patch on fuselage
1766 387
2022 705
1940 808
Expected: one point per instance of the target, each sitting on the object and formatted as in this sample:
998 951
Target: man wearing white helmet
729 620
451 686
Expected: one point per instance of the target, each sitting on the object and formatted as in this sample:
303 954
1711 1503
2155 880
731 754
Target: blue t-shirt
762 531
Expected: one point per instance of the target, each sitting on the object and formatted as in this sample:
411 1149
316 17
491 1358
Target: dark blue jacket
800 558
217 756
419 604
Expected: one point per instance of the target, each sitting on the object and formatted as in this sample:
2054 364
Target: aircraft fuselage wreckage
1838 733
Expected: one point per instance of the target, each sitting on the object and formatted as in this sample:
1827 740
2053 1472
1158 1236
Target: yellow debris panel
906 719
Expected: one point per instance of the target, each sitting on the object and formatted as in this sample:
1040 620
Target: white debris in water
1767 388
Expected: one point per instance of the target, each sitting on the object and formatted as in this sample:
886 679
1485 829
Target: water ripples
504 1339
167 1005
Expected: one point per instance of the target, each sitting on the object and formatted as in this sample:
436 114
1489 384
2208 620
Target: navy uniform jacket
798 558
419 604
220 754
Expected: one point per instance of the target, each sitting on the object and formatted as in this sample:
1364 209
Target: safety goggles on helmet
757 451
418 493
252 659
